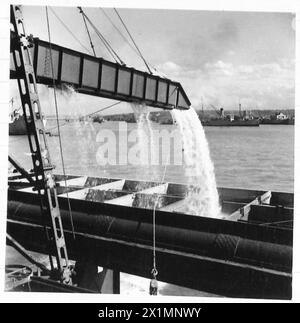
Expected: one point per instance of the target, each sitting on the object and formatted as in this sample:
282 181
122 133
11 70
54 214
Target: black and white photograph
150 151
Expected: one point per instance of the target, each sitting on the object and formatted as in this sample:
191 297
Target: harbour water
251 158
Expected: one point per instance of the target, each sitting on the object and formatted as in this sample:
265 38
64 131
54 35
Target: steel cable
58 127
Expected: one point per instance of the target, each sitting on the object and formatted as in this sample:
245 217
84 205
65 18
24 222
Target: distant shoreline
207 112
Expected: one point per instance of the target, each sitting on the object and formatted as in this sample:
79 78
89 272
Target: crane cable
101 37
87 30
154 272
58 128
102 109
126 40
90 114
112 52
141 55
119 31
92 45
68 29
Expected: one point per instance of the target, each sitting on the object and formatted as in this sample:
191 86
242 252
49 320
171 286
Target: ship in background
16 121
279 119
223 120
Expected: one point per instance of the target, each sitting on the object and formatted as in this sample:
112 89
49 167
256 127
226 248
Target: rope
68 29
154 271
141 55
87 29
56 111
105 42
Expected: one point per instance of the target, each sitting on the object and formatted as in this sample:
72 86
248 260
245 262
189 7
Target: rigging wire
106 43
69 30
126 40
141 55
90 114
112 52
119 31
102 109
103 40
154 271
87 29
56 111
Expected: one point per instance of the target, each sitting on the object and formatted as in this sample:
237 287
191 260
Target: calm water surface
245 157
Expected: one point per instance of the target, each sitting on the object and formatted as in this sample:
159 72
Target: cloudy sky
222 57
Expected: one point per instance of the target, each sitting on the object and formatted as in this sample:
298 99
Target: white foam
202 196
145 136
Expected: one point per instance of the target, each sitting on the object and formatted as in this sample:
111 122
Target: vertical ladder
44 181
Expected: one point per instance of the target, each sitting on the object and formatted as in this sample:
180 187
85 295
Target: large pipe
211 275
214 245
276 235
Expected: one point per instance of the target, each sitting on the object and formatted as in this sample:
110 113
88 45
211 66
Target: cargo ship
241 120
278 119
17 125
219 122
16 122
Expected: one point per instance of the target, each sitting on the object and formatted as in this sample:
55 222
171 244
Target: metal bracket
42 167
21 170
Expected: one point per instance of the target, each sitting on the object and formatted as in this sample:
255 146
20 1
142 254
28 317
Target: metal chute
96 76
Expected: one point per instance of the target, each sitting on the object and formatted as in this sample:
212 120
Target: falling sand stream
202 196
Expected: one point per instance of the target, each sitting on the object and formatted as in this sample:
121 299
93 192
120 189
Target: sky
219 57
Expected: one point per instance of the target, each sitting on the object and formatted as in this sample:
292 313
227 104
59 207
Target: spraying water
202 195
143 135
145 139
